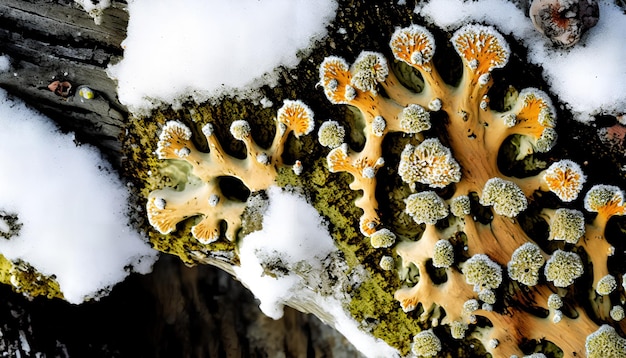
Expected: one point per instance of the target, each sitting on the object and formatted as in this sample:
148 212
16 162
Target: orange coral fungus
202 195
471 229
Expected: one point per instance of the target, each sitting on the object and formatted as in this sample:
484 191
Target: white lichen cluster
606 285
414 119
331 134
443 254
555 302
460 206
240 129
369 69
382 238
600 196
429 163
525 264
426 344
567 225
426 207
605 342
482 272
563 268
505 196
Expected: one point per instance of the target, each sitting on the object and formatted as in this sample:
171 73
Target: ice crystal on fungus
468 167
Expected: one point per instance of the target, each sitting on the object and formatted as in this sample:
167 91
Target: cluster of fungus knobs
447 182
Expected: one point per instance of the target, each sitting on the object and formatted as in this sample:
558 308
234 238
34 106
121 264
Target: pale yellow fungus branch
363 169
201 195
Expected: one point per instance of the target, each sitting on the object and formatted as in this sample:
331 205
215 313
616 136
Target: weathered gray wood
57 40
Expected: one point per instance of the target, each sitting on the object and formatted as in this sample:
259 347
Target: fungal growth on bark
202 195
500 285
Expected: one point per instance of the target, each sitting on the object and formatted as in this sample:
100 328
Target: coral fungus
487 205
202 195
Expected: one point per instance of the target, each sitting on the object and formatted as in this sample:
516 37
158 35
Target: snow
295 237
208 48
5 63
589 78
94 8
72 207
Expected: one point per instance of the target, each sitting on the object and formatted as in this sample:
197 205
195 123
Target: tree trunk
175 311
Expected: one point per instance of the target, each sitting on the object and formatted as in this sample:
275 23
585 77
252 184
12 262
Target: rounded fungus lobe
297 116
606 285
567 225
563 268
535 118
617 313
159 217
413 45
506 197
428 163
458 329
426 207
378 126
338 159
426 344
387 263
460 206
565 179
173 139
471 305
605 342
331 134
555 302
606 200
369 69
525 264
481 48
482 272
443 254
414 119
335 78
382 238
487 296
240 129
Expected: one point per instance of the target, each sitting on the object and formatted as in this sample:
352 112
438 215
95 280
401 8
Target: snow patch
205 49
280 262
5 63
589 78
71 206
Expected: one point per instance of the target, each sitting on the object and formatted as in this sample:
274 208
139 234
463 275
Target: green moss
23 278
375 308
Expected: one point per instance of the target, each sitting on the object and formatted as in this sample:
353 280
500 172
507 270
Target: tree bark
175 311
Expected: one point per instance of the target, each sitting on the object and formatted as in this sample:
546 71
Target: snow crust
589 78
72 207
5 63
295 237
208 48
